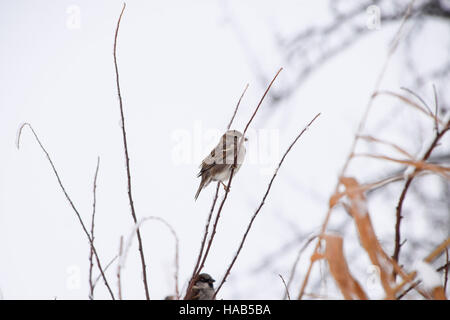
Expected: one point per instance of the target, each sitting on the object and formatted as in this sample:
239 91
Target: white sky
182 70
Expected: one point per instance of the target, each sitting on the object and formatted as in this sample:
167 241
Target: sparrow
218 164
203 288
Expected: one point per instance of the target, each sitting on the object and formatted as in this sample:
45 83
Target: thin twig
393 145
205 235
285 287
297 259
213 233
129 241
233 168
91 253
418 97
436 109
415 284
261 205
237 107
411 287
419 165
119 267
408 102
106 269
261 100
446 270
188 291
127 161
216 195
428 259
83 226
398 211
445 266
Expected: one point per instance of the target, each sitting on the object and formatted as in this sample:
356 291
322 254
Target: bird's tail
201 186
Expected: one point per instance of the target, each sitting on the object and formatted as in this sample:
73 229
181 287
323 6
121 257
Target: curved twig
126 249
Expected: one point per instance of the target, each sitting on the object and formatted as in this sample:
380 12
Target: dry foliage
334 254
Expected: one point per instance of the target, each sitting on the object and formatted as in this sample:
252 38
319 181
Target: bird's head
205 278
231 134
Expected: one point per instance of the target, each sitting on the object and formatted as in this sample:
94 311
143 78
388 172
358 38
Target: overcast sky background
182 69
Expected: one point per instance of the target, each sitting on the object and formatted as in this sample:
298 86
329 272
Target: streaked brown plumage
217 165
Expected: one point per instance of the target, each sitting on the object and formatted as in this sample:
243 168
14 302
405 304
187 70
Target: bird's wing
218 156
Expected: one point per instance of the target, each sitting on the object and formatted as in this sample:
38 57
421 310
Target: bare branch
208 222
297 259
285 287
106 269
129 241
260 101
446 270
418 97
261 205
237 106
119 269
91 253
398 211
208 247
127 161
83 226
393 145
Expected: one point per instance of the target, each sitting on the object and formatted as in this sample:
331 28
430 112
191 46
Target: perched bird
203 288
217 165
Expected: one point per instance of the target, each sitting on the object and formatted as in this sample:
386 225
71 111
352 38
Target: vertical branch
205 235
446 270
398 214
261 204
127 161
91 264
188 291
216 195
83 226
119 269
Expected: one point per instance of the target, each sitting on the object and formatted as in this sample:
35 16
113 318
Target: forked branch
83 226
241 245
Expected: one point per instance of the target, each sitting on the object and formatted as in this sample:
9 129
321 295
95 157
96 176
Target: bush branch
127 161
91 253
83 226
261 205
